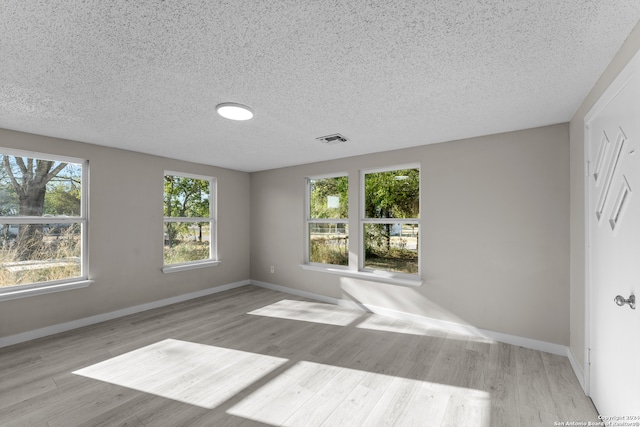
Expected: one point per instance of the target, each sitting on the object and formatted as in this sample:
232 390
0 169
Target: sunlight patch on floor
318 312
301 393
307 311
192 373
310 393
388 324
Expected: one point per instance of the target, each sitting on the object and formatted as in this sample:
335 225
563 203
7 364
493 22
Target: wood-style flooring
254 357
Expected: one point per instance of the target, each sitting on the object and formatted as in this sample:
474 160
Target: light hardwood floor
252 356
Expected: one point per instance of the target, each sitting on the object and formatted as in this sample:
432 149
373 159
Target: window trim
379 276
83 281
364 220
355 270
211 219
309 220
192 265
42 288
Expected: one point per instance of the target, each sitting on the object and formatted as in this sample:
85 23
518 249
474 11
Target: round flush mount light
233 111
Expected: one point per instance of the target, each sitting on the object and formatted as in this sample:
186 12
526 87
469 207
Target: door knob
621 301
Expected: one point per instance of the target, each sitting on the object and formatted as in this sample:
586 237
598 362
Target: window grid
328 245
410 269
189 253
49 271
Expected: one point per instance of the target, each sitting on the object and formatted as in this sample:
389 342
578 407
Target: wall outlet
272 269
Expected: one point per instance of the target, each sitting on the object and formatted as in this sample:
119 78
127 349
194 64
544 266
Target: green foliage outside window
186 240
329 198
39 251
391 212
329 241
392 245
392 194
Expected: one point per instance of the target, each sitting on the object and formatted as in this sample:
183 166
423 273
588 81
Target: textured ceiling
145 75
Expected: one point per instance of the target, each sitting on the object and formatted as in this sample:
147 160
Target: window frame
39 288
309 220
354 269
211 219
363 220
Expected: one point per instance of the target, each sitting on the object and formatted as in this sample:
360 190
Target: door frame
614 88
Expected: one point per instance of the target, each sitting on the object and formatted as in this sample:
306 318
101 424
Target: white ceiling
145 75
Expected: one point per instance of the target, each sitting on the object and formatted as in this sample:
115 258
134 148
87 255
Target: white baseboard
74 324
443 324
577 369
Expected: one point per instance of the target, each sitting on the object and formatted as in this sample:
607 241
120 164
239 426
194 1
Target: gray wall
578 286
125 235
494 238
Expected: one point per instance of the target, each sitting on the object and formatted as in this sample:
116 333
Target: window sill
365 275
192 266
17 293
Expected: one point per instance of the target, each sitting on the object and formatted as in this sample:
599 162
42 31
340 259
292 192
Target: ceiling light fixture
233 111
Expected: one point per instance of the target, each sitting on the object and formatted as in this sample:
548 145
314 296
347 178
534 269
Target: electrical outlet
272 269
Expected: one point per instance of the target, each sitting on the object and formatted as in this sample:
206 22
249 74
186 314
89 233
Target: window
327 223
387 232
189 220
43 222
390 221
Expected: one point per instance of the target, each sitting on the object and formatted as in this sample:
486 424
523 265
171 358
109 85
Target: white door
612 132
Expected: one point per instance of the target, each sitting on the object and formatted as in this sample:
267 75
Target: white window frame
364 220
211 219
40 288
356 231
309 220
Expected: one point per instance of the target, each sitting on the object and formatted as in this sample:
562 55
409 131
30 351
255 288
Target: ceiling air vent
332 139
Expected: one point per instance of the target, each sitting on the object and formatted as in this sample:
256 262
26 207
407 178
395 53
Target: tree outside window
189 227
390 223
327 218
41 219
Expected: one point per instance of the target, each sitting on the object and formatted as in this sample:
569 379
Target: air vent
332 139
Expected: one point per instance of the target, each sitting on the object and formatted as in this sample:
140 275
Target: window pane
329 243
186 197
329 197
32 253
53 188
391 247
392 194
186 241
